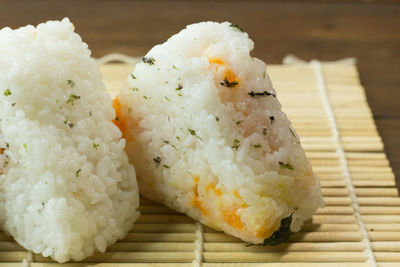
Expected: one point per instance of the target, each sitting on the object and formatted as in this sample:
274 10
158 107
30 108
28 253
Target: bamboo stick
380 210
386 246
4 237
133 257
147 218
290 264
285 247
163 228
334 192
284 257
335 210
155 209
158 237
384 236
12 256
329 227
384 192
151 246
10 246
382 227
113 264
381 218
388 256
333 183
296 237
338 201
372 176
320 219
377 183
379 201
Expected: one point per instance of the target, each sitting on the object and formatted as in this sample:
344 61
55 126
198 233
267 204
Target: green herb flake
157 161
286 165
149 60
7 92
263 75
169 143
193 132
95 145
167 98
145 97
234 25
236 144
165 166
13 104
71 125
25 146
135 89
239 122
90 113
77 172
175 67
256 145
72 98
71 83
178 138
133 77
265 131
217 118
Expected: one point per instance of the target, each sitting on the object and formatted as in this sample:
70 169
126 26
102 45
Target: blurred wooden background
324 30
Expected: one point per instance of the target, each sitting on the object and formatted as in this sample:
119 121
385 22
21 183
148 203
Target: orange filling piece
196 202
229 75
229 214
120 120
232 218
212 187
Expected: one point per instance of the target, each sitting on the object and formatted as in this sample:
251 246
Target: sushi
66 186
207 136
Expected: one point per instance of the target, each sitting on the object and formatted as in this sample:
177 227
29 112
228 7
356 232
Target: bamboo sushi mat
359 226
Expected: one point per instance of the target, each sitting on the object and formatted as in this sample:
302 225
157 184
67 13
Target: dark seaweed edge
279 236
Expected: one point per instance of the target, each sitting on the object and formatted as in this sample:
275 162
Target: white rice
223 155
66 186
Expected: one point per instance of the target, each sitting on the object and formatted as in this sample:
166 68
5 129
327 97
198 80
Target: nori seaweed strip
290 129
272 119
229 84
265 93
149 60
234 25
281 235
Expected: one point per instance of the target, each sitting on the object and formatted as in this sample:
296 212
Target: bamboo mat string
198 250
335 134
29 258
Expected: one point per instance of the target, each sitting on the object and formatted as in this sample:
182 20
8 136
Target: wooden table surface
324 30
